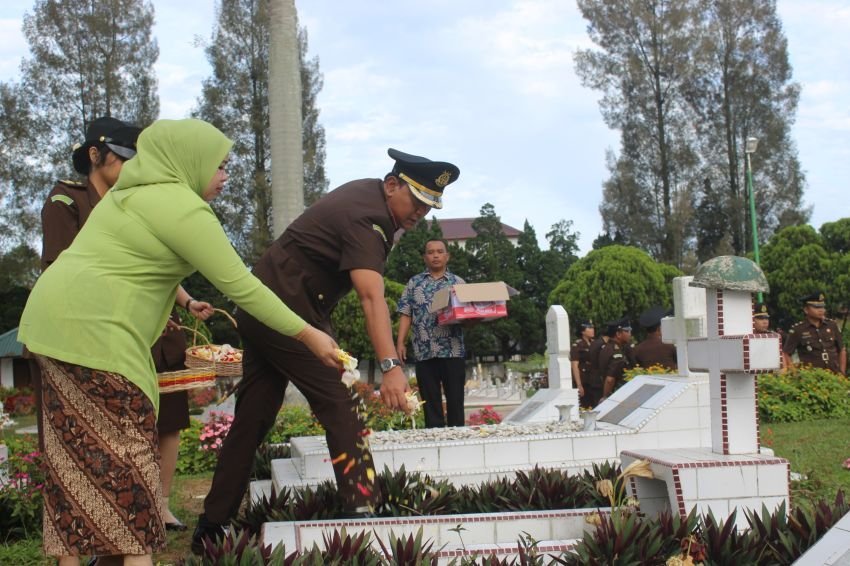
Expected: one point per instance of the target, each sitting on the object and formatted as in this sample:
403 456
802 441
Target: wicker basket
194 359
195 378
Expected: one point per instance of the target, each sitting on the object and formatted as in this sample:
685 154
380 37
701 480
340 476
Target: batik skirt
102 486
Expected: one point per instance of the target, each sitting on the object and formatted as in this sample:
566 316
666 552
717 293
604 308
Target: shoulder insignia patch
62 198
73 184
380 231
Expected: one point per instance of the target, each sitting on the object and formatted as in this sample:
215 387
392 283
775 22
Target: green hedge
803 394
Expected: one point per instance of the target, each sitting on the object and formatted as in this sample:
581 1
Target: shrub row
624 538
405 494
803 394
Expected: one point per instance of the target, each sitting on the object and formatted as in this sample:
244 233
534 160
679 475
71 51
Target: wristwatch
389 363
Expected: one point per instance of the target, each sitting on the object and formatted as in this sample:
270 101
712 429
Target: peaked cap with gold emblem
816 299
760 311
426 178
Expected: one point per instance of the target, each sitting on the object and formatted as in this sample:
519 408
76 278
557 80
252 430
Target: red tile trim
724 417
680 498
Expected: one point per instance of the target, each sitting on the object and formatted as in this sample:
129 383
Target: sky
489 85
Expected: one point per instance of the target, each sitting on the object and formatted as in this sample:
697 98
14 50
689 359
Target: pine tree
87 59
644 54
686 83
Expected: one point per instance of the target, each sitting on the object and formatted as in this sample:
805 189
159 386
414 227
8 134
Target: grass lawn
816 449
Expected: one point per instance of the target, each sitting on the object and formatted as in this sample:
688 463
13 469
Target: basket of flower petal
226 359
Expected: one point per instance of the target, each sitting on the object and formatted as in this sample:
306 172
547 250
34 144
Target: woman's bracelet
189 302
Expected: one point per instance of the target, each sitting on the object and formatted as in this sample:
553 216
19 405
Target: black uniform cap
426 178
816 299
583 325
120 137
652 316
615 325
760 311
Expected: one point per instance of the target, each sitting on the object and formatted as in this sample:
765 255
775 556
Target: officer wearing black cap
588 392
109 142
339 243
652 351
761 319
616 356
816 339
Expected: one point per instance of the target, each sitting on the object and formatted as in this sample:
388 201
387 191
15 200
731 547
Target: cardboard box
482 301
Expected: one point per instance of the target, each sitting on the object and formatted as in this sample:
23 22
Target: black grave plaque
629 404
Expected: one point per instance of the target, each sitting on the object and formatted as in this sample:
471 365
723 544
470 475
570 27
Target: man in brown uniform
580 364
340 242
652 351
816 339
615 357
761 319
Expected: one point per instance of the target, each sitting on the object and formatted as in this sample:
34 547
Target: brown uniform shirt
66 209
580 352
818 346
614 360
653 351
594 375
308 265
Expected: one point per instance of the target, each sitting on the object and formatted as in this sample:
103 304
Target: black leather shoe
175 525
205 529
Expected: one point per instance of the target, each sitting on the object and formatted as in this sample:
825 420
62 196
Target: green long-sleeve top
105 300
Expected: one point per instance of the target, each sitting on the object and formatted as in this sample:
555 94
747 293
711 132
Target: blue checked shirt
429 339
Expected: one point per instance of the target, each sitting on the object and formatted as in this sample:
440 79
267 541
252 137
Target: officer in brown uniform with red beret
339 243
816 339
651 351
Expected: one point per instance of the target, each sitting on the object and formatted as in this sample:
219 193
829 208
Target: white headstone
542 407
687 322
733 355
558 347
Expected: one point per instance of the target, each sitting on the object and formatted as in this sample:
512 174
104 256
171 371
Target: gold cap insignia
821 297
444 179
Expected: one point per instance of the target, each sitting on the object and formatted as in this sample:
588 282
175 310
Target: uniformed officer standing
340 242
594 372
615 357
761 319
652 351
816 339
581 365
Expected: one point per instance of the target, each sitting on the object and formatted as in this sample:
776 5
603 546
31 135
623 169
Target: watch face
388 364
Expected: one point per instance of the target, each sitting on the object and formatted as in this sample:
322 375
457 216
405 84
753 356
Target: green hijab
180 152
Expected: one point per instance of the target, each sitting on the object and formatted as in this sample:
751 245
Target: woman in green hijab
91 320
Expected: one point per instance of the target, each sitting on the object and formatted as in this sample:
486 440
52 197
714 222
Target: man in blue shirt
438 350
